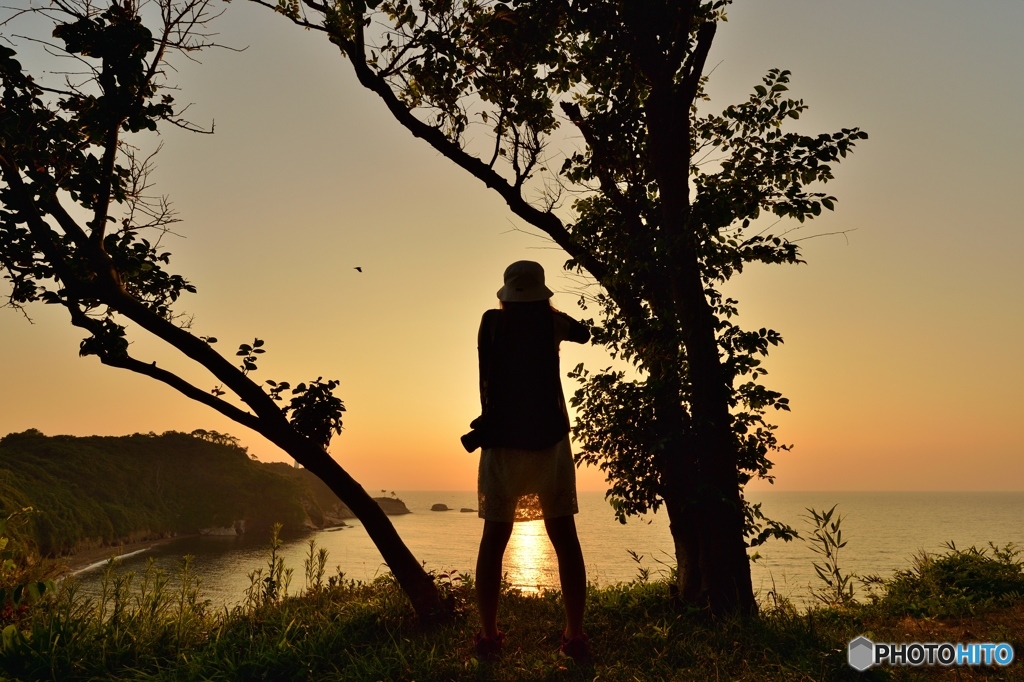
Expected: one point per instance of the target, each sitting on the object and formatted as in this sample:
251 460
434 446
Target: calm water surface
883 530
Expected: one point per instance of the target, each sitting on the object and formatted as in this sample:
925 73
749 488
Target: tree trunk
684 524
705 520
271 423
700 488
723 564
677 466
417 584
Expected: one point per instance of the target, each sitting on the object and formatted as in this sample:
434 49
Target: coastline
91 559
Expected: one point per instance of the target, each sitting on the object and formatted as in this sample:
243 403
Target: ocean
884 530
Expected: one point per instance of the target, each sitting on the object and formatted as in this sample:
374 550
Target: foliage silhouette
664 200
64 153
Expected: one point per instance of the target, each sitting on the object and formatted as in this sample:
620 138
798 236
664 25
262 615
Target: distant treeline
102 490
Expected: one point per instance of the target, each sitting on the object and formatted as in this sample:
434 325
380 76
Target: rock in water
439 507
392 505
467 509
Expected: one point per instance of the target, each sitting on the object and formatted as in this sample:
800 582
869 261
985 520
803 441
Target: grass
156 627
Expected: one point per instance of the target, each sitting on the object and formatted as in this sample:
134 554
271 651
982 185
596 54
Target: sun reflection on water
530 560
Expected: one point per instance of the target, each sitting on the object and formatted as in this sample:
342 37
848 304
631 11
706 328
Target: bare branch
499 133
827 234
186 389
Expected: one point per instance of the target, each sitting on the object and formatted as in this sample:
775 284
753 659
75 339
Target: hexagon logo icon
860 653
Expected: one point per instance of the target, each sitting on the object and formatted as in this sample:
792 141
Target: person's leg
488 573
571 571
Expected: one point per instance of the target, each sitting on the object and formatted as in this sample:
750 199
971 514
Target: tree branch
696 62
499 131
64 219
681 39
542 220
99 221
185 388
319 7
629 211
250 393
40 230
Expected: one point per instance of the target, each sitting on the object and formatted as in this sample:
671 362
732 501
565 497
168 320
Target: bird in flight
359 268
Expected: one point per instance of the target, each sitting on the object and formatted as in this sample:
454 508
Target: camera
478 437
472 440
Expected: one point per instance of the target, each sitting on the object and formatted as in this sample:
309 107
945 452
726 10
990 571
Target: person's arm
568 329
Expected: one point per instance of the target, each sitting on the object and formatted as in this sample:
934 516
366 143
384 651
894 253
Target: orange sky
902 358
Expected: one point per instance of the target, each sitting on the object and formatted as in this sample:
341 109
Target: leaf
10 633
34 591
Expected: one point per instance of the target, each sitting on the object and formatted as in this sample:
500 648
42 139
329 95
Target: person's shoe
577 648
488 648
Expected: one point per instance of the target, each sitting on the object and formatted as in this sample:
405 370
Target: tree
76 220
662 203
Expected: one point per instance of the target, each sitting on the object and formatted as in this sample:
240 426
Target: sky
903 354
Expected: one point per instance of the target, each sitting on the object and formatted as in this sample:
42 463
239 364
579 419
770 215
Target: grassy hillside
340 629
103 490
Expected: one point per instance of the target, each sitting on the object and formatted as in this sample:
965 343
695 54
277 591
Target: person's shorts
524 485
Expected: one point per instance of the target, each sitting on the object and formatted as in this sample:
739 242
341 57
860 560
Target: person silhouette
526 467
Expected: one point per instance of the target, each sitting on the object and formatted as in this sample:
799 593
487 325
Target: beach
94 557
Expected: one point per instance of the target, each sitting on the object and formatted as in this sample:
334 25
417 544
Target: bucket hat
524 282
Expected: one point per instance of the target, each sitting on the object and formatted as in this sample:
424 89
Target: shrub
958 583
